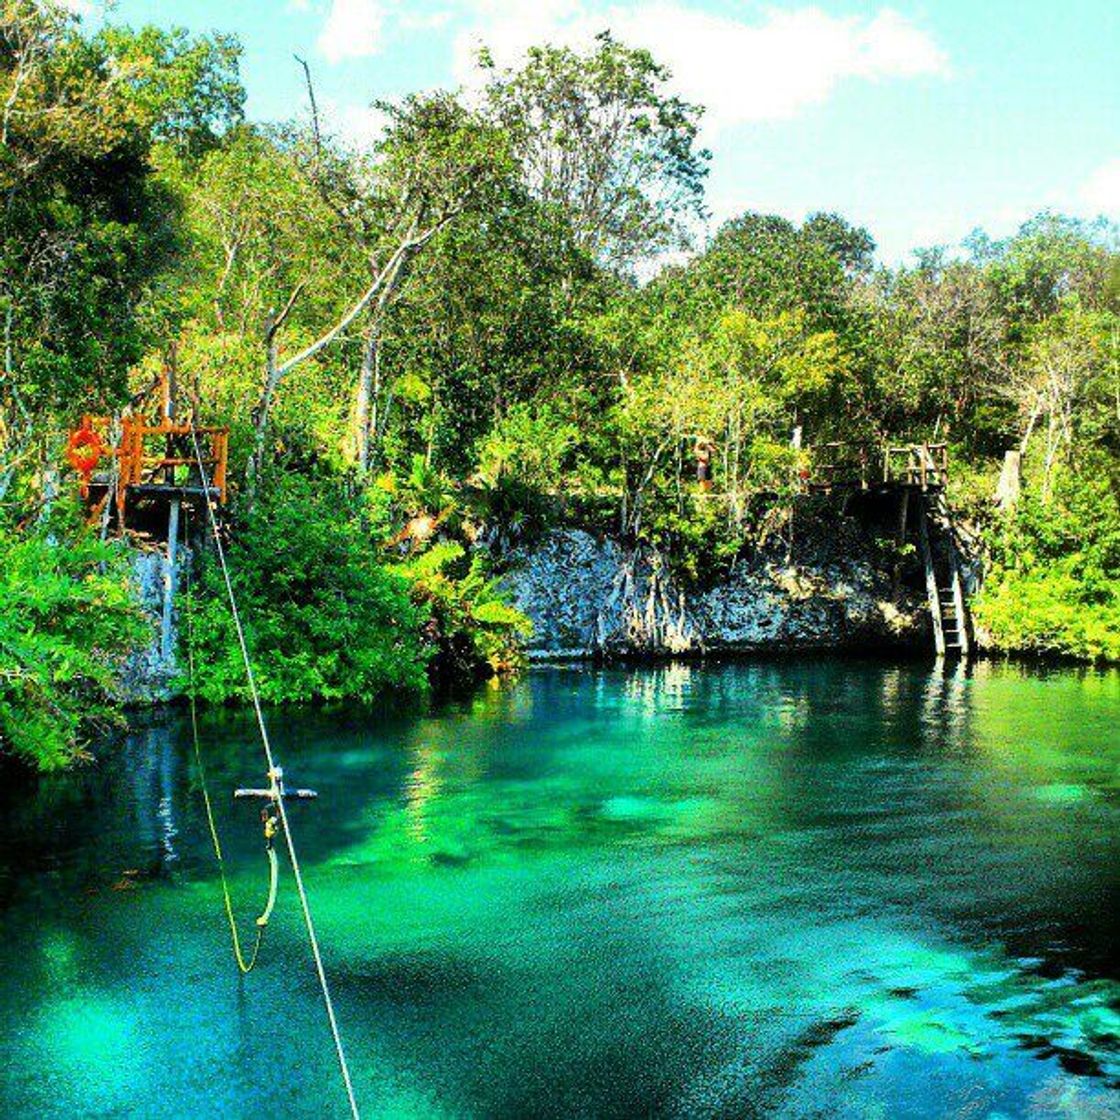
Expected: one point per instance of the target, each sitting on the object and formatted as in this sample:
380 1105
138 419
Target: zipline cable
244 966
274 774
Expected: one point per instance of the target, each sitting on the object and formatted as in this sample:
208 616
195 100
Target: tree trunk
361 412
365 392
260 417
1010 480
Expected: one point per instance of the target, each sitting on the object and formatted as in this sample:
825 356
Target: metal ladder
944 586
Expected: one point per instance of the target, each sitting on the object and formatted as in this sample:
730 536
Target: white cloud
1100 193
425 21
358 126
352 30
741 71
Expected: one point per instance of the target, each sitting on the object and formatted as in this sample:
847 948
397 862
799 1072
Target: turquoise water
796 889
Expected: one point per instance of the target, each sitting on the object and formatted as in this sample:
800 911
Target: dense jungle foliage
433 347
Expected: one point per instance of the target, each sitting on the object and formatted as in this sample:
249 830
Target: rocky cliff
147 676
590 596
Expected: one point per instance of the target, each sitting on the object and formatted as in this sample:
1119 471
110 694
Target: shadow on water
795 888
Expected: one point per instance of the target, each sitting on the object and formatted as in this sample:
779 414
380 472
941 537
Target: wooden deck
153 461
157 467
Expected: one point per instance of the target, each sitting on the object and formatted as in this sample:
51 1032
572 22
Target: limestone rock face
589 596
147 677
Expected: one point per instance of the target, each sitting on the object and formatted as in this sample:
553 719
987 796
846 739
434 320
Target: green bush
324 619
67 616
1046 612
1054 586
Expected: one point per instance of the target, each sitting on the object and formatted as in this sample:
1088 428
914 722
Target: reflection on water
777 889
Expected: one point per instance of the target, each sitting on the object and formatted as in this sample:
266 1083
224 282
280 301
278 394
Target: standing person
703 454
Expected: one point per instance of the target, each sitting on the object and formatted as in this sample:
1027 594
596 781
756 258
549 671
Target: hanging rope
274 776
245 966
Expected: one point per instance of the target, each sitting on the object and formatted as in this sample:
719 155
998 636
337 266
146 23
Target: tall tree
83 226
601 140
436 159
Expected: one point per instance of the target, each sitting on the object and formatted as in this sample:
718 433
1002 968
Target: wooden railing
917 464
138 467
839 464
924 465
141 468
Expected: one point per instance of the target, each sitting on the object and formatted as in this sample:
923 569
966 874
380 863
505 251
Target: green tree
67 619
601 141
435 159
85 229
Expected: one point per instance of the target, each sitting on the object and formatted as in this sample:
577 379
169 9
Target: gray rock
146 676
589 596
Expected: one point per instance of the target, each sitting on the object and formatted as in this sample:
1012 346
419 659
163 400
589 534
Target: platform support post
931 581
165 643
900 540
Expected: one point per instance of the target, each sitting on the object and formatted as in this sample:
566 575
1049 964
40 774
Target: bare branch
275 322
314 111
409 245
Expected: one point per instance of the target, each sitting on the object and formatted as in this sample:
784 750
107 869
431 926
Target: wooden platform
916 476
163 491
158 462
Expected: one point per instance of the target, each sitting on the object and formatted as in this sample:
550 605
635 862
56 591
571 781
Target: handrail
912 464
136 466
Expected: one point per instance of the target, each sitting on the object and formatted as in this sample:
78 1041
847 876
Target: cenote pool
791 889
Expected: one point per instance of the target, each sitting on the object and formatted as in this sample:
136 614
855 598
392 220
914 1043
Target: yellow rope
262 921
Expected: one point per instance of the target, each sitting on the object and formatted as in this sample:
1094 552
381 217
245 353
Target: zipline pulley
270 821
276 790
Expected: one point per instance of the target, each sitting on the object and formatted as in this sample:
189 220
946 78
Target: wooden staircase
944 586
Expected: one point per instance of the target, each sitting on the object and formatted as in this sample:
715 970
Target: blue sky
918 120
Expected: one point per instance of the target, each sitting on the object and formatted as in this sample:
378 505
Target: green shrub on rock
1054 587
324 618
67 618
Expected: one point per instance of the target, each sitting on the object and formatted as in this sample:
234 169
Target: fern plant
473 626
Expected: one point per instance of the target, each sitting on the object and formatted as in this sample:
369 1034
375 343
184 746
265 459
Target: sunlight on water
795 889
